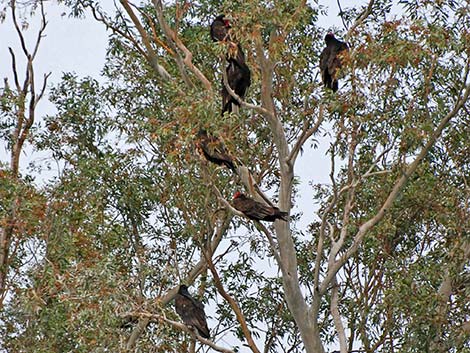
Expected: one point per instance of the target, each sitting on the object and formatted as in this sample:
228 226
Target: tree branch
399 184
153 59
172 36
272 244
305 135
197 270
341 13
180 326
14 69
41 30
337 317
100 17
362 17
233 304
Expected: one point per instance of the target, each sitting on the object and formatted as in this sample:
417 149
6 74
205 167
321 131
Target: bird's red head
226 23
237 195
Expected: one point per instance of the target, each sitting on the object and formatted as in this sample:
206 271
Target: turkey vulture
330 62
256 210
238 77
214 150
191 311
219 29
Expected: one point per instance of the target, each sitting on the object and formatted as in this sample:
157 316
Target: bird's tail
283 215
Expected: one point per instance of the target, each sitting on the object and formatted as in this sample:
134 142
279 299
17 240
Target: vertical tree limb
233 304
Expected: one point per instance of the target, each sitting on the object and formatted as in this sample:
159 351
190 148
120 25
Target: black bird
219 29
256 210
238 77
330 60
214 150
191 311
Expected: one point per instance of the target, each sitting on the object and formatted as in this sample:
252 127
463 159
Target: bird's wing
325 54
192 313
263 210
252 208
216 150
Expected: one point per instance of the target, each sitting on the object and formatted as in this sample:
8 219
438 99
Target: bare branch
153 59
43 88
362 17
158 318
18 29
101 18
341 13
14 69
305 135
41 30
337 317
172 36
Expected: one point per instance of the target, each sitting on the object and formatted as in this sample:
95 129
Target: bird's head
329 37
237 195
201 133
225 20
183 289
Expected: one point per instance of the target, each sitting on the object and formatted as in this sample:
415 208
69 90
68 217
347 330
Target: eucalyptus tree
137 211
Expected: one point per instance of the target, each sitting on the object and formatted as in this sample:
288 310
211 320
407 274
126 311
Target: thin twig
305 135
341 14
361 18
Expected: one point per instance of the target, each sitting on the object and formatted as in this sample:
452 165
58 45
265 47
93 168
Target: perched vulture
256 210
219 29
214 150
330 61
191 311
238 77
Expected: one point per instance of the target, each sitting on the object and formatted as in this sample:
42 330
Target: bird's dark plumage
256 210
191 311
238 77
330 61
219 29
214 150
